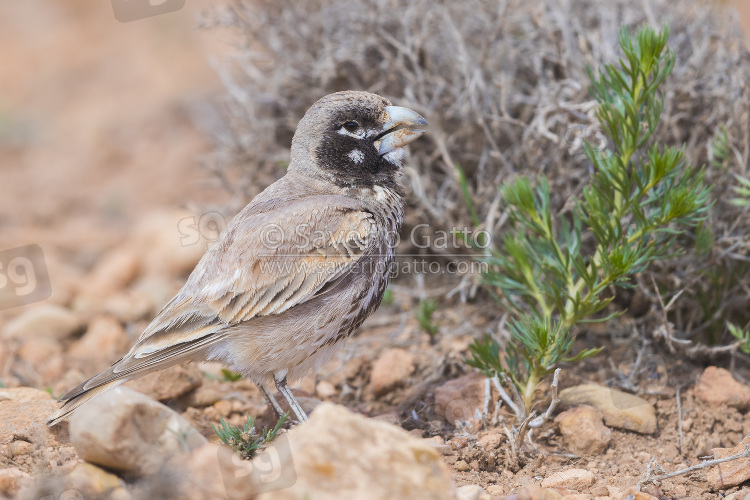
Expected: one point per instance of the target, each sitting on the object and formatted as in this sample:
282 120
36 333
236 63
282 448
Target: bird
299 269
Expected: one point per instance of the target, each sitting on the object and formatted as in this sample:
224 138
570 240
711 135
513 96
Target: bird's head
354 139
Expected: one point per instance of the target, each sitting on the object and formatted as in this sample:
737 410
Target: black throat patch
353 161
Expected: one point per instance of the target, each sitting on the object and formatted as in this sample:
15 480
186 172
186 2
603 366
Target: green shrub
554 270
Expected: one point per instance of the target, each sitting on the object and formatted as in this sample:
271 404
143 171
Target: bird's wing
265 263
270 258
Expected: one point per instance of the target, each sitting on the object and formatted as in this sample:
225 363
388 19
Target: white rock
340 455
46 320
471 492
127 431
570 478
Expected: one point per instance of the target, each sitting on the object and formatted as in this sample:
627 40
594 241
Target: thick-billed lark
299 268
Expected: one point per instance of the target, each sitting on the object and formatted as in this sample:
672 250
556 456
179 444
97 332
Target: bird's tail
127 368
76 397
153 351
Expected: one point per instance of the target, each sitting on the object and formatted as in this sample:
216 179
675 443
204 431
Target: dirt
103 124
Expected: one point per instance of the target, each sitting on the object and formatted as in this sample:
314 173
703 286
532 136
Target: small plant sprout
387 298
230 376
742 189
742 336
246 441
552 270
424 318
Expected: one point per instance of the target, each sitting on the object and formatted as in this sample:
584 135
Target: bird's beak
402 126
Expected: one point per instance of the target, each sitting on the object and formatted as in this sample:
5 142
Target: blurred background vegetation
102 122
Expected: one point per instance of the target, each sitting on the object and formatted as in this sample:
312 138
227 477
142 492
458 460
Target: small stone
103 343
82 482
444 449
216 472
11 480
687 424
127 431
732 473
583 430
621 410
471 492
633 494
205 395
392 417
495 490
717 386
170 383
45 355
390 370
324 389
46 320
574 479
462 466
491 441
112 272
536 492
129 306
18 448
92 480
224 407
24 394
459 398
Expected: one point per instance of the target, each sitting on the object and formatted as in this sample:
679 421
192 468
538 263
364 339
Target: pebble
324 389
461 466
717 386
633 494
569 478
19 447
471 492
103 343
459 398
114 271
619 409
583 430
224 407
727 474
169 383
391 370
11 479
45 320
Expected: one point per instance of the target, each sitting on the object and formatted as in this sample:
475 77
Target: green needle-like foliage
246 441
553 271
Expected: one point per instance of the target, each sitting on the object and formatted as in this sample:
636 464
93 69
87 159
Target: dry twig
653 467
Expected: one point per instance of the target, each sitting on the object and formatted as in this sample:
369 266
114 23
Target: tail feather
79 396
127 368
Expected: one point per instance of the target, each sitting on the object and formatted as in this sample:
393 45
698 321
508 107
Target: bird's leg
270 399
293 403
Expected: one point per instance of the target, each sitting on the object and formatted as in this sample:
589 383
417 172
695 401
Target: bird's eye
351 126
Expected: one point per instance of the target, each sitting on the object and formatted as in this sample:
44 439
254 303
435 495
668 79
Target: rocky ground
108 191
423 433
